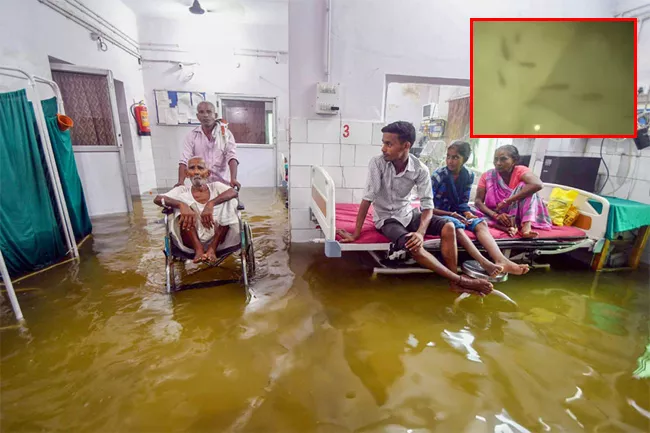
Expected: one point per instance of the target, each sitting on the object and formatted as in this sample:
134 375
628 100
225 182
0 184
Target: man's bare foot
476 286
198 255
492 269
513 268
210 256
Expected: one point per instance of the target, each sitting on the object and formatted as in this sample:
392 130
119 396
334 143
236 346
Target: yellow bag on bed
571 216
559 204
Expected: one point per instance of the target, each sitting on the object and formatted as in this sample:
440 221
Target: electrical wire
605 164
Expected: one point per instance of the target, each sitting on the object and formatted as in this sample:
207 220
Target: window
87 101
251 120
483 152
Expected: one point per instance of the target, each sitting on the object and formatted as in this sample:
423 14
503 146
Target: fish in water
591 97
528 64
557 86
496 292
502 80
517 37
504 49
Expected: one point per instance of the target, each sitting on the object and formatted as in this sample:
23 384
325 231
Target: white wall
419 38
405 101
210 42
31 31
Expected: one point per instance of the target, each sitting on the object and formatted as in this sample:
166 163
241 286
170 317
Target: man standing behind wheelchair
215 143
203 212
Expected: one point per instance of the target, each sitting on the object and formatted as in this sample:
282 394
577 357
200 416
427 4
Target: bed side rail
590 220
322 201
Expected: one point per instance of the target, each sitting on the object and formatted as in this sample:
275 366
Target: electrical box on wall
327 98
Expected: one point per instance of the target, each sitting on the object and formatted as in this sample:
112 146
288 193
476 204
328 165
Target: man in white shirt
391 178
203 212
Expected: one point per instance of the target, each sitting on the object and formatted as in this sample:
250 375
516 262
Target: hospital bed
329 216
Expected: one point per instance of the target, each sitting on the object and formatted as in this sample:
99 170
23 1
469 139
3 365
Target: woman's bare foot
198 255
210 256
492 269
475 286
512 231
530 234
511 267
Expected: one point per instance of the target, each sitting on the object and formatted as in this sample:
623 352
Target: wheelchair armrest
167 210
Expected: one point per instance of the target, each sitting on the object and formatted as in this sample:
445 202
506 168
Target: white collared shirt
390 192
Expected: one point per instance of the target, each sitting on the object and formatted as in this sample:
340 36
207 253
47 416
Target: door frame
119 146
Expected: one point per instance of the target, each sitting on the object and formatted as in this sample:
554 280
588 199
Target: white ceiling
270 12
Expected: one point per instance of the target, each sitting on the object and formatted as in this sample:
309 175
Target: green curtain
70 181
30 236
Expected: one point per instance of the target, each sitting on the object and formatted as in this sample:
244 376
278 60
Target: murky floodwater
322 347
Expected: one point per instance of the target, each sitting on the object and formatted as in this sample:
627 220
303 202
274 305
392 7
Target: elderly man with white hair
215 143
203 212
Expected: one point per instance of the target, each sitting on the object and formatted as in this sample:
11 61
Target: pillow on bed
559 204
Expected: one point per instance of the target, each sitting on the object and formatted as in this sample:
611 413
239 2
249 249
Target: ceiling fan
222 6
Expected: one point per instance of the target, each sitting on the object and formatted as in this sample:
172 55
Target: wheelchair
174 255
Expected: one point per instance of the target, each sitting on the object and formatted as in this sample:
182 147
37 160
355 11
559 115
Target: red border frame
471 78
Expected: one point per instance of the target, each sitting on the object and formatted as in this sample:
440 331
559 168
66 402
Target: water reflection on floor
321 348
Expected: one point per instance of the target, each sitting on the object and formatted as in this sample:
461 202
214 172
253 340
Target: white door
89 98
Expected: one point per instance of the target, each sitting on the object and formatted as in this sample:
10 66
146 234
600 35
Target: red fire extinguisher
141 116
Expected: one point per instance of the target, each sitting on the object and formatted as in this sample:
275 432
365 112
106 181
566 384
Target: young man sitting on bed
202 212
391 178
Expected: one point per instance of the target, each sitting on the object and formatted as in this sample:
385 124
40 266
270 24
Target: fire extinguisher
141 116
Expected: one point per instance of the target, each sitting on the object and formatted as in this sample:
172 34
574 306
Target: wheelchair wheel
247 255
250 252
170 280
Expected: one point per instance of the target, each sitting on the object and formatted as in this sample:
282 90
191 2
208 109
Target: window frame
256 98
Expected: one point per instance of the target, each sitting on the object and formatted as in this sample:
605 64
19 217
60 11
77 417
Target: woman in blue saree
452 186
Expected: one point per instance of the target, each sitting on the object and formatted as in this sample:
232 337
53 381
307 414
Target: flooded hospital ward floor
322 347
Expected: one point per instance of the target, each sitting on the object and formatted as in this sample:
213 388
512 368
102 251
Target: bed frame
592 222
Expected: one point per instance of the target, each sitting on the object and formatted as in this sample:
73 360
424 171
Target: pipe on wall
328 51
56 6
85 9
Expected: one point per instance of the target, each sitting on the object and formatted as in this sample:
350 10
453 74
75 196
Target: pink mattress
346 218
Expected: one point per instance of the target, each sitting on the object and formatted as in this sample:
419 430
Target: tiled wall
343 151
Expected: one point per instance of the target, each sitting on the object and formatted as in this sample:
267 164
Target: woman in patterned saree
507 195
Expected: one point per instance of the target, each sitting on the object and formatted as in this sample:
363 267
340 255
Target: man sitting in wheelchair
203 213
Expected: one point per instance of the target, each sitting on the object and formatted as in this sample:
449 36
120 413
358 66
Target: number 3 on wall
346 131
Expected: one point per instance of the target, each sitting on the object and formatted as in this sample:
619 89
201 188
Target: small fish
557 86
502 80
460 297
504 49
591 97
503 296
528 64
496 292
